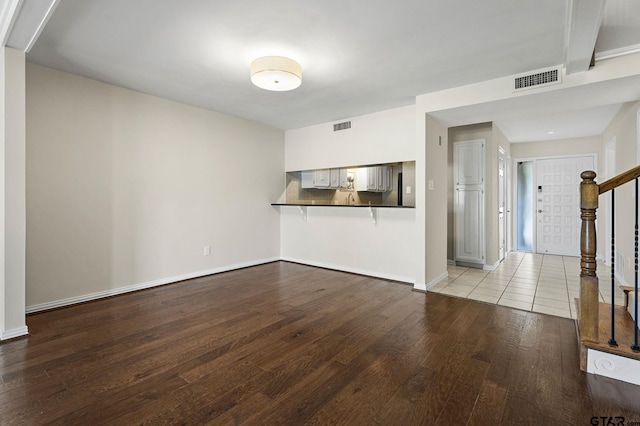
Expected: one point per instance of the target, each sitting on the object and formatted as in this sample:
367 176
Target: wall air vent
537 79
342 126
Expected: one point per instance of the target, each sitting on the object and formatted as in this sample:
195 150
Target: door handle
539 211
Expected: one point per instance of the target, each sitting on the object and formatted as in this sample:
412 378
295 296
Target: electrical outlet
430 185
207 250
408 190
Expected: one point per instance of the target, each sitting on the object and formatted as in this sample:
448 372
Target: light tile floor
533 282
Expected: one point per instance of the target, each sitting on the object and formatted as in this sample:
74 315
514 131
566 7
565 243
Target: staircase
608 333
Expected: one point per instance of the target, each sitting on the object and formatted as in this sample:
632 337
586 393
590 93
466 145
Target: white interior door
468 160
469 225
558 204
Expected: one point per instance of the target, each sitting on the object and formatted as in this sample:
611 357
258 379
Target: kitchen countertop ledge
343 205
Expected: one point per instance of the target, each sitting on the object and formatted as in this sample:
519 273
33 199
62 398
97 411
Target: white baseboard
142 286
491 267
350 270
13 333
451 262
428 286
421 287
613 366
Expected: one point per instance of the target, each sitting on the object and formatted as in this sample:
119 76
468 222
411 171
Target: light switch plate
408 190
430 185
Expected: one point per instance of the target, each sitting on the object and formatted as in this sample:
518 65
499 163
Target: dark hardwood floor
287 344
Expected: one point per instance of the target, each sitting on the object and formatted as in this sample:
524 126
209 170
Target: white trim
638 138
583 22
16 332
8 16
41 25
341 268
422 287
142 286
434 282
491 267
614 53
613 366
505 193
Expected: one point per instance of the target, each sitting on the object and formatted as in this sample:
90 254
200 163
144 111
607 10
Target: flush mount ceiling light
276 73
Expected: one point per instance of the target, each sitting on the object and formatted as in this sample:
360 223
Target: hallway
533 282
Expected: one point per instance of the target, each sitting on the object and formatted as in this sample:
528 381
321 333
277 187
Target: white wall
382 137
624 128
12 186
346 238
557 148
124 190
436 141
499 140
3 228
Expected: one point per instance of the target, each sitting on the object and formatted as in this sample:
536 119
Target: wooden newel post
588 315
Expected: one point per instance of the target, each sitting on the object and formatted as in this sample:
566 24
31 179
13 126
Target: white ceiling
357 57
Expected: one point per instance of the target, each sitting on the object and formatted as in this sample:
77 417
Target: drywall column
436 201
431 200
12 197
420 283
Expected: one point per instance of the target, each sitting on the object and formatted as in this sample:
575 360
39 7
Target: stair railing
588 316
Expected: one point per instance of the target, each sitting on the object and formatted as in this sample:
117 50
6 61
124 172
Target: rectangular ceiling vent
342 126
537 79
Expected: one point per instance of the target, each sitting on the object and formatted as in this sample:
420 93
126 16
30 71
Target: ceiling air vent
537 79
342 126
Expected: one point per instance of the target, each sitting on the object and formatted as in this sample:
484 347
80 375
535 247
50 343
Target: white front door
557 195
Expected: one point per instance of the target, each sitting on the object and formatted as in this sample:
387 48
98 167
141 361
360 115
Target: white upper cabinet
470 163
375 179
335 178
321 179
344 178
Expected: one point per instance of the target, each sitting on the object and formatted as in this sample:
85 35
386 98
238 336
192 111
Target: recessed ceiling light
276 73
550 132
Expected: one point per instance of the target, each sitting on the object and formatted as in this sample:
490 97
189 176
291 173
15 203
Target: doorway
557 197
